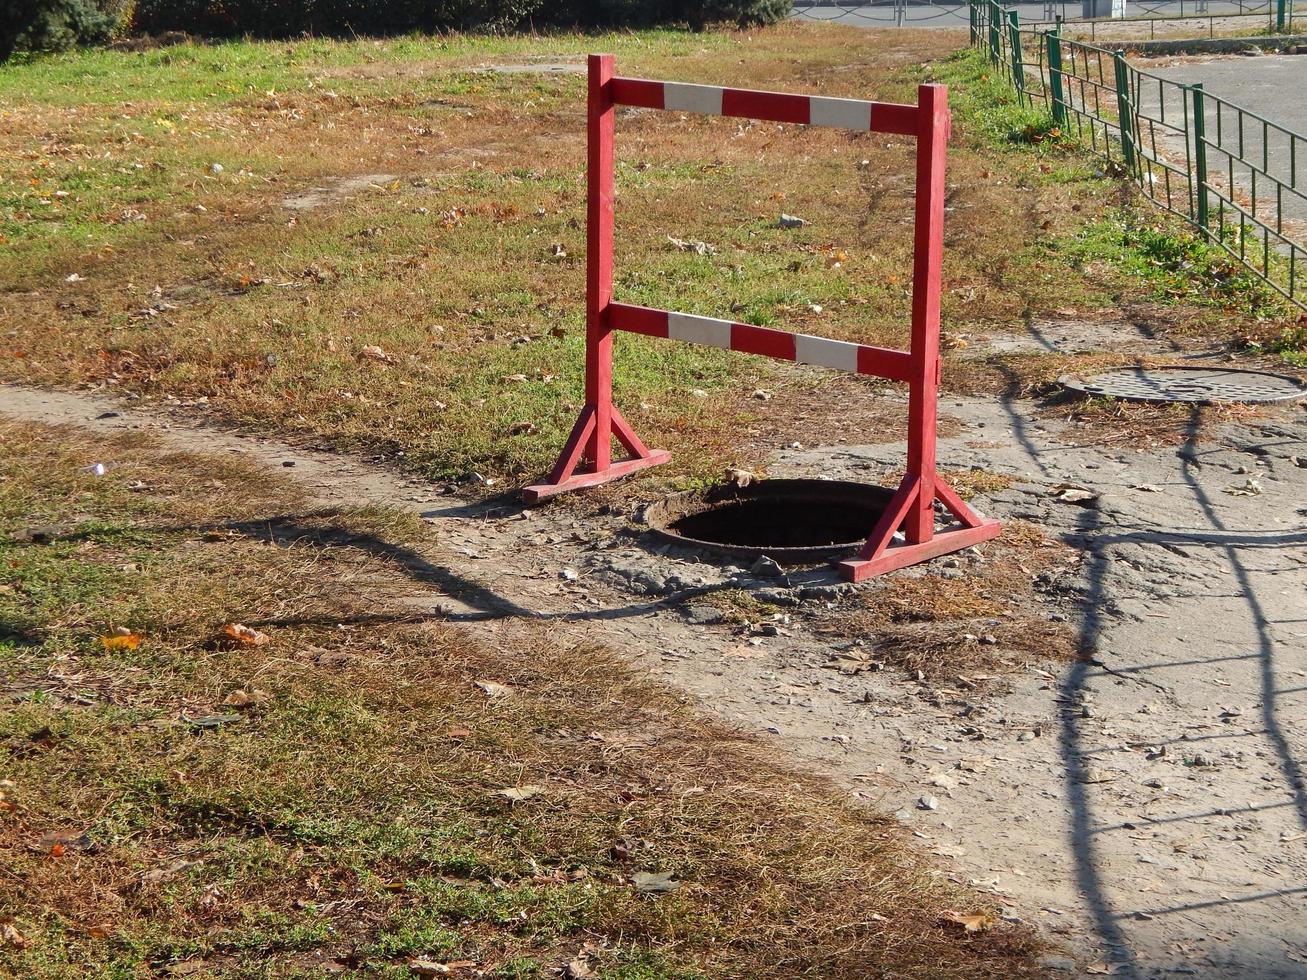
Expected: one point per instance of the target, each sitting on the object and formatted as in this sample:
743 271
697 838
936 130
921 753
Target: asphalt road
1273 86
955 14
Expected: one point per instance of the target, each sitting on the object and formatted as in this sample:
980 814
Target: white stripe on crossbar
681 97
826 353
699 330
847 113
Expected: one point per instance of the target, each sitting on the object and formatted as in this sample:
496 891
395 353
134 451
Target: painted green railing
1238 177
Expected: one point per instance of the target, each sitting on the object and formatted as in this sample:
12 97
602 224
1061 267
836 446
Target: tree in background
287 18
52 25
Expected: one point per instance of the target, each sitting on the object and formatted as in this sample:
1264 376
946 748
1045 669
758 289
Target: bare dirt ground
1145 805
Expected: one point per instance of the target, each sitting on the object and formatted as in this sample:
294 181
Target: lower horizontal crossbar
579 481
903 555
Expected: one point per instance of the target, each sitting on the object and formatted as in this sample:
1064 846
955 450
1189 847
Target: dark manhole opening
791 521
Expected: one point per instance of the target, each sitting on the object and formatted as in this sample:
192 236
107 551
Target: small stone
790 221
216 168
927 802
1062 964
569 575
704 615
38 535
1026 737
766 567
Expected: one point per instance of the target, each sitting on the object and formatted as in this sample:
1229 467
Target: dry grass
985 620
223 293
350 819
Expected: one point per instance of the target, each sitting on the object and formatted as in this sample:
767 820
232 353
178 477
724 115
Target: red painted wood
575 446
761 340
883 362
626 435
927 259
894 365
903 555
912 507
883 533
886 117
638 319
600 124
637 92
773 106
542 491
890 117
956 505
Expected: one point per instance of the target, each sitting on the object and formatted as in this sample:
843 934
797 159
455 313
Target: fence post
1200 158
991 9
1053 40
971 22
1124 115
1018 64
1281 15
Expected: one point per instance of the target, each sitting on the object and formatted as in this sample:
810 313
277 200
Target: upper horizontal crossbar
883 362
811 110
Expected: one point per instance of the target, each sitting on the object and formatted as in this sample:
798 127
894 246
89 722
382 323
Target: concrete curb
1211 45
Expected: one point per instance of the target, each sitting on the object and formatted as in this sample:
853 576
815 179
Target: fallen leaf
1072 493
692 245
494 689
121 641
61 842
374 353
1249 488
1093 774
246 698
1104 968
973 923
430 968
459 733
852 662
10 936
236 635
654 882
516 794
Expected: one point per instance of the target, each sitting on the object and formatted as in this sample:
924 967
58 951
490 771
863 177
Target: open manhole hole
1201 386
794 522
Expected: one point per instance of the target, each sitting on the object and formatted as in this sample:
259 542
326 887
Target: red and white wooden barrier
587 458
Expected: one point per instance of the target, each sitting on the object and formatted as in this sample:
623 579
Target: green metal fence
1237 176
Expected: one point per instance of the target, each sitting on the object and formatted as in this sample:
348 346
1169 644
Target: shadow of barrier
587 459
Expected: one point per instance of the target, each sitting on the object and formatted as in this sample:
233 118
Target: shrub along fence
1236 176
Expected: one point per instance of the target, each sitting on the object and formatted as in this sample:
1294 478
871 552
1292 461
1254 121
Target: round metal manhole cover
1189 384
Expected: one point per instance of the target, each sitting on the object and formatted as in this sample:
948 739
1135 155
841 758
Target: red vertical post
927 265
600 130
